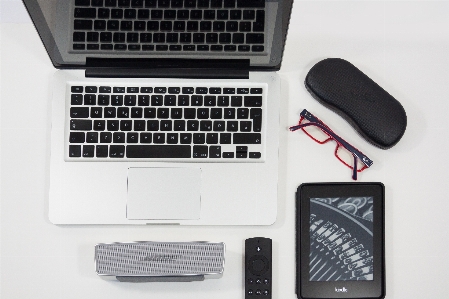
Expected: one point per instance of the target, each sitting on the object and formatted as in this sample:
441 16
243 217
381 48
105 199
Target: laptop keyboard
171 122
169 25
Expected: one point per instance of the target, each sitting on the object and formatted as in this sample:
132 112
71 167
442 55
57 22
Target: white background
403 46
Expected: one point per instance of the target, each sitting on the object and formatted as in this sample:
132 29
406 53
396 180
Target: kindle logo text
341 290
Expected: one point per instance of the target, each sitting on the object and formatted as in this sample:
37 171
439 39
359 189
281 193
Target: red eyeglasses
343 150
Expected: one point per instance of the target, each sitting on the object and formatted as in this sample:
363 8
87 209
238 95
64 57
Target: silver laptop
164 111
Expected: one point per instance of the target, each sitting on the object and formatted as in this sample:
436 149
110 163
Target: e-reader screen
341 238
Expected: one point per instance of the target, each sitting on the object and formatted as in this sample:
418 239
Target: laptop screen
77 31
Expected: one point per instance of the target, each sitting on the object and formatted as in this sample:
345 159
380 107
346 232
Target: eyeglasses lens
347 158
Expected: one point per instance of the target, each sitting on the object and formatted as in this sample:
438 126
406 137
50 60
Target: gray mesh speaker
160 261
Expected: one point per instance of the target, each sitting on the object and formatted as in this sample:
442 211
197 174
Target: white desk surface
403 46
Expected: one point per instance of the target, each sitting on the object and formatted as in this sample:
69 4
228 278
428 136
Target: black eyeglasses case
373 112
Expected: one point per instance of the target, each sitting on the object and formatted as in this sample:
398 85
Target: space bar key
158 151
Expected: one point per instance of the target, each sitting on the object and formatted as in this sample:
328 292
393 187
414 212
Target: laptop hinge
167 68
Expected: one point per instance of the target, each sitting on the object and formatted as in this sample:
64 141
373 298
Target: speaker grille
159 258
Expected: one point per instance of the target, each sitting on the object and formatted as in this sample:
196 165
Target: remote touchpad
164 193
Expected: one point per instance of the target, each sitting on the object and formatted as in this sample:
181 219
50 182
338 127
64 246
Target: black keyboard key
110 3
212 138
160 90
76 99
157 100
216 113
113 125
80 125
174 90
82 24
130 100
97 3
119 89
158 151
77 137
146 137
130 14
232 126
235 15
79 37
82 2
159 138
166 125
110 112
245 126
228 155
225 138
256 115
103 13
99 24
200 151
179 125
243 90
88 151
170 100
197 100
92 137
139 125
124 3
74 151
246 138
118 137
136 112
92 37
257 48
163 112
242 113
223 101
146 90
153 125
149 112
137 3
117 151
236 101
188 90
96 112
186 138
249 14
210 100
85 13
256 90
193 125
253 101
105 89
254 155
99 125
259 24
250 3
123 112
143 14
172 138
244 48
201 90
105 137
229 113
132 137
157 14
101 151
255 38
219 126
199 138
126 125
79 46
206 125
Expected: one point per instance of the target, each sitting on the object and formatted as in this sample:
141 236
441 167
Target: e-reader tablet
340 240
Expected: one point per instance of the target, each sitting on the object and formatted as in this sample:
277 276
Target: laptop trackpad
164 193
